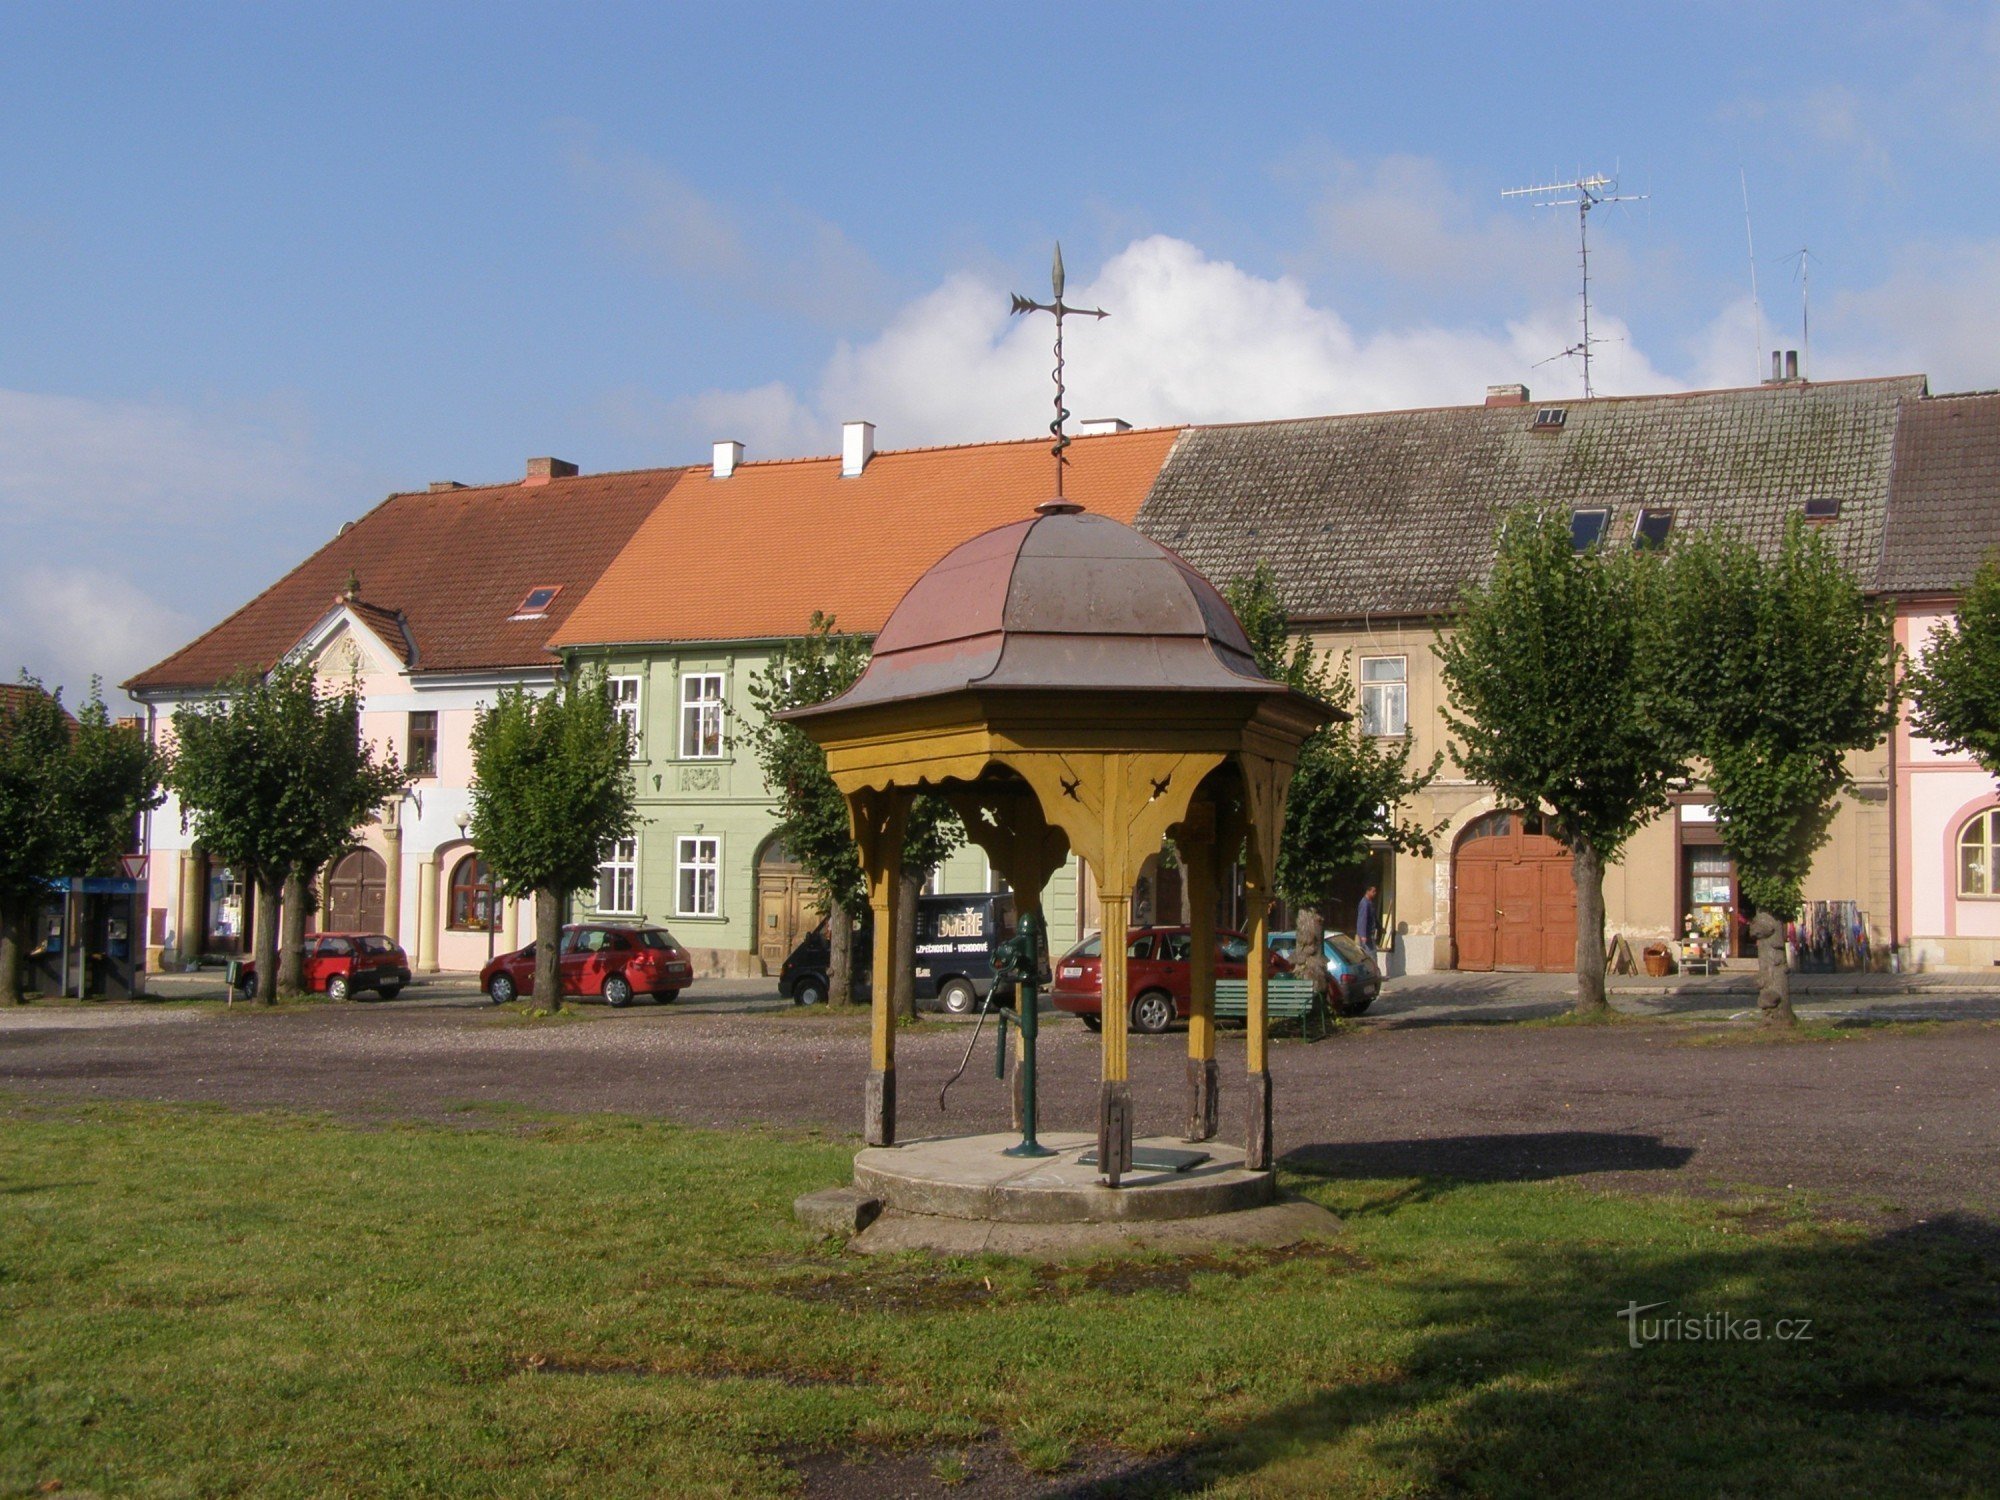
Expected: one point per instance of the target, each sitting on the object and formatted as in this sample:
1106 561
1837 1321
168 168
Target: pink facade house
433 602
1944 520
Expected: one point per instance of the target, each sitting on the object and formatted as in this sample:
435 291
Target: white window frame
1385 702
702 698
618 872
625 701
691 860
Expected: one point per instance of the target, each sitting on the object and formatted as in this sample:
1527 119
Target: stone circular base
969 1177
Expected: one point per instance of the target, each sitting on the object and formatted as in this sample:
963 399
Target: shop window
701 716
1976 844
618 880
698 877
1385 695
421 745
471 905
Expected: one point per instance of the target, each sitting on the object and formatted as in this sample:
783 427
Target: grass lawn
197 1302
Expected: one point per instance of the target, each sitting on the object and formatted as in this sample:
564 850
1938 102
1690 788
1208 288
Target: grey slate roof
1393 513
1944 515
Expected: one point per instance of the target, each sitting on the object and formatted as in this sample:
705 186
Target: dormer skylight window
1650 534
1822 508
536 605
1551 418
1586 528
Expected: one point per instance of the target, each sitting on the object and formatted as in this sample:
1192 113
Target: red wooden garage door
1513 898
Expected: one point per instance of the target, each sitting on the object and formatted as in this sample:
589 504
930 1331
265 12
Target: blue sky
259 266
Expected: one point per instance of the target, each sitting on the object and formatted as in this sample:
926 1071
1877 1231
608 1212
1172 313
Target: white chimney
727 457
857 446
1091 425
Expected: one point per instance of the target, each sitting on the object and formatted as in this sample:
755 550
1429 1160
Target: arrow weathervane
1061 309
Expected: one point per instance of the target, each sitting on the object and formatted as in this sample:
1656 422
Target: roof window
1551 418
1650 533
537 603
1822 508
1586 528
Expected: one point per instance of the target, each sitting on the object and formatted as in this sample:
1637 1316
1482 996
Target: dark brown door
356 893
1513 897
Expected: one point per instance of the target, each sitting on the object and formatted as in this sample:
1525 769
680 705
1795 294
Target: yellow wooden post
1257 1023
1198 873
878 820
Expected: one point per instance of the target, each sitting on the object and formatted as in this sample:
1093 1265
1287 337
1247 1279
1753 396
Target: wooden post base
878 1108
1204 1091
1257 1140
1114 1130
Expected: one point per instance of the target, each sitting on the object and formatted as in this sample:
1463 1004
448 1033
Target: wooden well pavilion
1069 684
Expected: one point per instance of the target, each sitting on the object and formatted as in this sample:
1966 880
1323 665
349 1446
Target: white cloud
1190 339
1937 311
114 508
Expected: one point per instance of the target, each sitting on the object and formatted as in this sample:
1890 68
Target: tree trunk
548 949
13 927
1587 866
1774 975
903 982
840 955
292 938
264 937
1309 955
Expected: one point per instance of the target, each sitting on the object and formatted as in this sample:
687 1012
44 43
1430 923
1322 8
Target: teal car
1352 979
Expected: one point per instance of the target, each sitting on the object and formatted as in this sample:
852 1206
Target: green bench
1286 998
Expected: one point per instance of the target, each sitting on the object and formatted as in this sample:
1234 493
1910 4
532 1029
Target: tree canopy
273 775
552 790
69 794
1549 703
1955 685
1772 673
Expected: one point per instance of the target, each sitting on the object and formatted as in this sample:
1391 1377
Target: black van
956 936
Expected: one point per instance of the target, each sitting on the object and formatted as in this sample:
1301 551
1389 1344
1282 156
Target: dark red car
1157 975
339 963
612 959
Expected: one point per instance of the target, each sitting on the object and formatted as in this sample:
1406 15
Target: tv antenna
1588 193
1804 258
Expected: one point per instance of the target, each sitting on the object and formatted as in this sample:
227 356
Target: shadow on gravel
1526 1157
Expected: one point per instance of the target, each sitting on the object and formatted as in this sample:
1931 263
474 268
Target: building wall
1642 891
1937 793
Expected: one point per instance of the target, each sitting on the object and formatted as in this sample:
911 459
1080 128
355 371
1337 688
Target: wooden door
356 893
783 905
1513 897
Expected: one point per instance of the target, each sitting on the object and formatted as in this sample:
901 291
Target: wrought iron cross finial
1061 310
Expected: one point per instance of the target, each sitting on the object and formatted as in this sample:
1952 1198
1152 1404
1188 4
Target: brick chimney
542 470
1506 395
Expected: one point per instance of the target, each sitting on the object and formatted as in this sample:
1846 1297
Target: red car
1156 975
339 963
615 960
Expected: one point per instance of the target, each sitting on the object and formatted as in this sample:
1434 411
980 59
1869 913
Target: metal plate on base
1154 1159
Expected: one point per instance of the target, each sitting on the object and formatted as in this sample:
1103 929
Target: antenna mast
1756 302
1590 192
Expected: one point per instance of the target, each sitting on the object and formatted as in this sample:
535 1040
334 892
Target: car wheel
389 991
1092 1023
617 991
809 991
337 988
502 989
1153 1012
246 987
959 998
666 997
1352 1005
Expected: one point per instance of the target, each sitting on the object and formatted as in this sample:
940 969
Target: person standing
1367 916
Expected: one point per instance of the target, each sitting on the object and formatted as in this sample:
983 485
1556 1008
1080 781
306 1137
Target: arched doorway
1513 897
356 893
784 904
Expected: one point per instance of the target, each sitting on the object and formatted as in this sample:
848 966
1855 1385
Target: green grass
204 1303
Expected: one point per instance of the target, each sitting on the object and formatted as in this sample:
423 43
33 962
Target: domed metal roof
1061 601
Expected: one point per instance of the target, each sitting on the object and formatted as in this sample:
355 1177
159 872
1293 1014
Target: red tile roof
15 696
439 572
752 556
